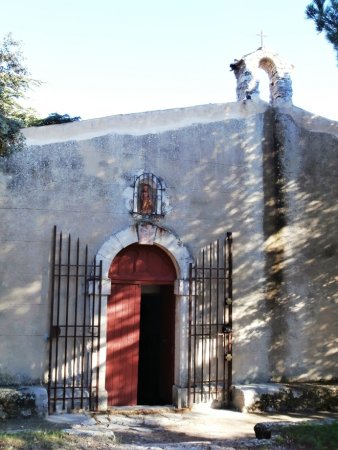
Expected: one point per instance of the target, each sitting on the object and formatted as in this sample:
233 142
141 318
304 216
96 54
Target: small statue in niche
146 201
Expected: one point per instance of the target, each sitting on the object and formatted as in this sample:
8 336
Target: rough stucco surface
309 293
212 160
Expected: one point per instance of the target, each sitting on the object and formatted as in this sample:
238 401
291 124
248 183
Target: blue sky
106 57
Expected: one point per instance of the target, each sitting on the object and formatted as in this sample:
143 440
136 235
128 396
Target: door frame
150 234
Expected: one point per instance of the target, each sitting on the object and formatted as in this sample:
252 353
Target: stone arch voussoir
164 238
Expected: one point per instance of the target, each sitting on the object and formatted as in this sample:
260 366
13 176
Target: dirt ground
200 429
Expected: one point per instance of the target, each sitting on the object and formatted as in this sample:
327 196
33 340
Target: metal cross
261 36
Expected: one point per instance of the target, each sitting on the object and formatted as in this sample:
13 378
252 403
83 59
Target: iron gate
75 319
210 324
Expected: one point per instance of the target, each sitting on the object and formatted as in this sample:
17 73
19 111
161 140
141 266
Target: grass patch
28 440
311 436
52 440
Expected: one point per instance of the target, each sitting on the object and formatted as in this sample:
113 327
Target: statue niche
148 196
146 203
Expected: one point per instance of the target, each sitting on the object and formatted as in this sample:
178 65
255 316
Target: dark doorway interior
156 352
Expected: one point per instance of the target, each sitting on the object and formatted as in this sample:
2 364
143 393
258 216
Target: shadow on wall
285 287
277 193
301 252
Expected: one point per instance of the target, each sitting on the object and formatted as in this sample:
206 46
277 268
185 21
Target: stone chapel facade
145 193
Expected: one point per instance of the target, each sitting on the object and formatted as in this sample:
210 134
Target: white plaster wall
310 291
76 176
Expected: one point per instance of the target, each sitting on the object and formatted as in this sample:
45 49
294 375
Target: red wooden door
123 344
142 264
134 266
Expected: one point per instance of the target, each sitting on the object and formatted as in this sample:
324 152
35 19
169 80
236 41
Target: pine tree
325 15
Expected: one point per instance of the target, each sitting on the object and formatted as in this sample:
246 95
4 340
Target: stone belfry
278 70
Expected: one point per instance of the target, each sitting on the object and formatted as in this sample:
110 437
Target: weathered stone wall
26 401
308 296
224 167
301 245
210 160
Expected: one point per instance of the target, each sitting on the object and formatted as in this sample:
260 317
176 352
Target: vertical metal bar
83 350
224 316
217 314
203 311
51 321
189 334
195 326
57 321
210 312
98 337
92 335
66 327
161 197
229 241
75 317
135 195
154 193
158 196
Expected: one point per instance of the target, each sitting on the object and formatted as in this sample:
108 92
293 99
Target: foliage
53 119
46 440
310 436
10 136
14 82
325 15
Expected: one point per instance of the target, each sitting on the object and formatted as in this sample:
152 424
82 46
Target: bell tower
278 70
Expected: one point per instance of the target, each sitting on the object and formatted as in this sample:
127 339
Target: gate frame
64 333
222 327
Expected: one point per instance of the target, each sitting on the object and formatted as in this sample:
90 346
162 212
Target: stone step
286 397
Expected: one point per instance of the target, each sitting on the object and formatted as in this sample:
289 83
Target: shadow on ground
203 428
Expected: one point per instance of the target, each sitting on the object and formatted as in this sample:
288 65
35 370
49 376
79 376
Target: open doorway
141 327
156 348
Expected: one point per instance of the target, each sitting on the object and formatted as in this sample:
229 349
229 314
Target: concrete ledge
245 397
24 401
275 397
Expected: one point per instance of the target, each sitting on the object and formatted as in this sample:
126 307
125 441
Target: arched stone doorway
141 327
179 255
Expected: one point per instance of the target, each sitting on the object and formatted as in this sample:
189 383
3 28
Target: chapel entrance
140 327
